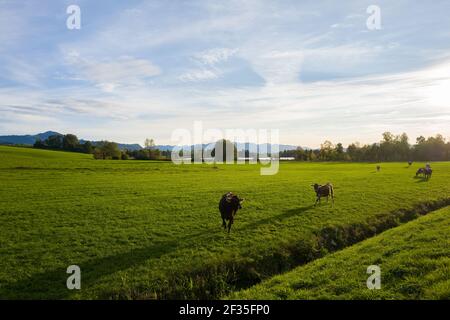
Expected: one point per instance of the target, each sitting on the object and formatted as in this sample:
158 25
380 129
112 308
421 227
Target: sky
143 69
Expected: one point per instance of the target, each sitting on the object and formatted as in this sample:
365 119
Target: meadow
414 261
147 229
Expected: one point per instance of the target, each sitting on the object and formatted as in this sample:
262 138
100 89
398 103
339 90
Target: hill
31 139
26 139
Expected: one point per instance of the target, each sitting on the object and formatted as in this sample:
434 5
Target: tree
433 148
39 144
153 154
354 151
54 141
87 147
394 148
149 143
107 150
339 152
388 137
326 150
420 140
403 148
70 142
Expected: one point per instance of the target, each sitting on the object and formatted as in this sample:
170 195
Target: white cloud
198 75
277 66
214 56
123 70
108 74
306 114
342 25
209 65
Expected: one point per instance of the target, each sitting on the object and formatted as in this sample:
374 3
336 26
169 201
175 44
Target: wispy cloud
146 68
306 113
108 74
199 75
214 56
208 65
22 72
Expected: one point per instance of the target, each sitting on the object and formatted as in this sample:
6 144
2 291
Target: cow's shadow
279 217
421 179
51 284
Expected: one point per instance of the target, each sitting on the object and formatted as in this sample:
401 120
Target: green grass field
142 229
414 259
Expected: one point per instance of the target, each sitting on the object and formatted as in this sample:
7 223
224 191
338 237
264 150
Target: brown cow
323 191
228 206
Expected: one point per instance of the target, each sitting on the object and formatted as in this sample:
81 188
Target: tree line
68 142
390 148
104 150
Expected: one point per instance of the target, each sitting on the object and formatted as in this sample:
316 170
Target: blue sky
311 69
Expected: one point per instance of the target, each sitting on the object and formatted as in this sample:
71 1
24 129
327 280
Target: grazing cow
426 172
323 191
420 171
378 168
228 206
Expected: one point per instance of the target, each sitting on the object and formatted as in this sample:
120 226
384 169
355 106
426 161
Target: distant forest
390 148
104 150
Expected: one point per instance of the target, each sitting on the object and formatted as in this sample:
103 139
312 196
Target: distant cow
378 168
323 191
410 163
228 206
426 172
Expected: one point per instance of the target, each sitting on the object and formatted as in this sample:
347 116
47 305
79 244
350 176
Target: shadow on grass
52 284
421 179
280 217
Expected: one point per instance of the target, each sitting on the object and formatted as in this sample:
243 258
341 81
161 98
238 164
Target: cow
420 171
378 168
426 172
229 204
323 191
410 163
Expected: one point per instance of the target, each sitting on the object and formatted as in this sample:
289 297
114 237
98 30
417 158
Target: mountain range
26 139
31 139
